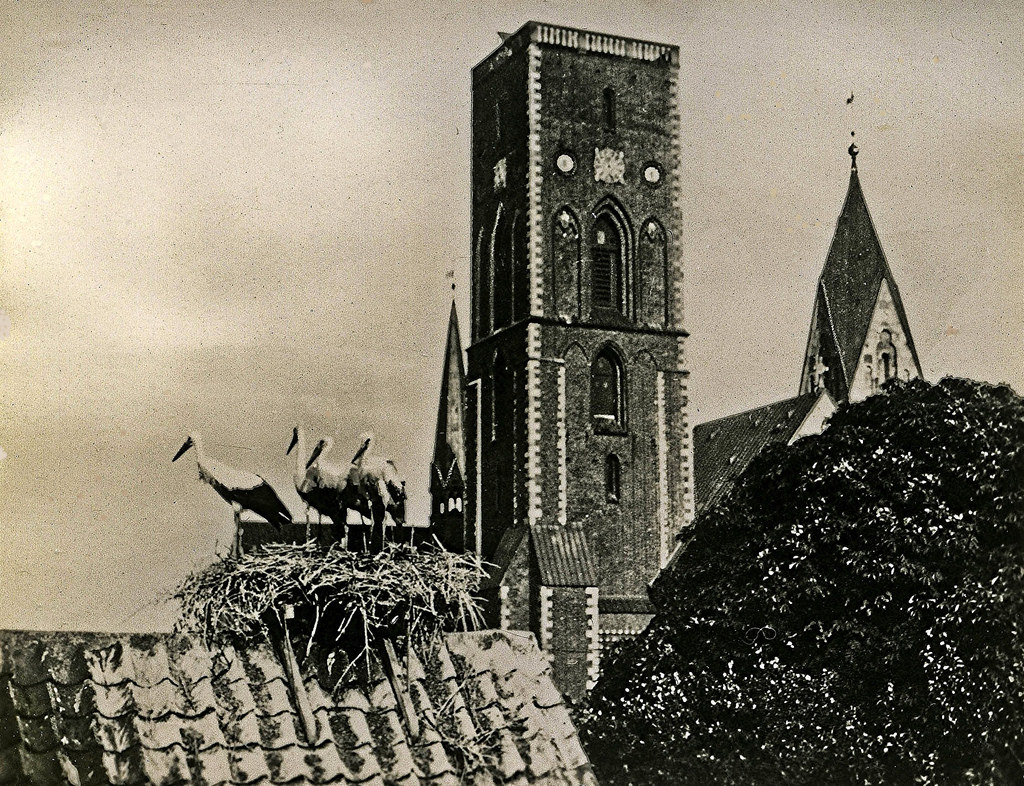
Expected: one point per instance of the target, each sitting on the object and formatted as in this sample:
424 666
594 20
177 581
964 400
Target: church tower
447 470
860 337
577 441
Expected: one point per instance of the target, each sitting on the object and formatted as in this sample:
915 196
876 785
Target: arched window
609 109
565 239
886 351
606 273
606 394
612 479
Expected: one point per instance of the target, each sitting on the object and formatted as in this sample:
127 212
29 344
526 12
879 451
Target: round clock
565 163
652 174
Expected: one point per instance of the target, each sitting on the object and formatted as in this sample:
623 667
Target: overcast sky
240 218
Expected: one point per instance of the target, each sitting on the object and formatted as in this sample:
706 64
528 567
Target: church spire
859 336
447 486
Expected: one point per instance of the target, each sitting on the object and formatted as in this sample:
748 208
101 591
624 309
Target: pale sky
240 218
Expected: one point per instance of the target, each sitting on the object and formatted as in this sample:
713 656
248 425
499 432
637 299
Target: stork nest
337 598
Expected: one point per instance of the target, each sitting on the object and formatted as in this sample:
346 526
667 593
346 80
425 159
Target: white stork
378 483
242 490
319 485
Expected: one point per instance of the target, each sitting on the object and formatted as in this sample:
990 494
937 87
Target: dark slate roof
512 540
449 443
850 281
723 448
91 708
563 556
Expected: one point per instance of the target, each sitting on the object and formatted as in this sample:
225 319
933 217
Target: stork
379 483
242 490
319 485
341 487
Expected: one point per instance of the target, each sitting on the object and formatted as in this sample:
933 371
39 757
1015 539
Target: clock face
652 174
565 163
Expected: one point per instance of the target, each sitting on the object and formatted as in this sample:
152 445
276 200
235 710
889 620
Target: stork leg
237 547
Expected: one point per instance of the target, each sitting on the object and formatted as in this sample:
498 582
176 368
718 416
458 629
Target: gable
885 316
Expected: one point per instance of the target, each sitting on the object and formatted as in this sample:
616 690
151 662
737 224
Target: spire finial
853 150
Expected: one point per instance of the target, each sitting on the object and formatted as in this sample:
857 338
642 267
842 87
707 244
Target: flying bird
243 490
850 99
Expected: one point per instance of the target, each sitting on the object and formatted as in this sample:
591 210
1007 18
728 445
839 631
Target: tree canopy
851 613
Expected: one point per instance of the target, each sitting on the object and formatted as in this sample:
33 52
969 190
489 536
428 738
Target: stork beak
182 449
362 449
294 442
316 453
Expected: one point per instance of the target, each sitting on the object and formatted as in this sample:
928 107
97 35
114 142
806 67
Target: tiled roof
850 280
723 448
563 556
90 708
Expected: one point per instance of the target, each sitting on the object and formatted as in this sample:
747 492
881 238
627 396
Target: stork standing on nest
378 483
331 485
242 490
320 485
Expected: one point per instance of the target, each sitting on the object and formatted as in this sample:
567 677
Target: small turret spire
853 150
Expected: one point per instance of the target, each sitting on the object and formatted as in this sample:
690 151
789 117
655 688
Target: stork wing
263 501
216 473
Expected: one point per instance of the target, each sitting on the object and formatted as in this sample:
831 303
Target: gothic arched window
652 276
566 263
606 272
612 479
606 390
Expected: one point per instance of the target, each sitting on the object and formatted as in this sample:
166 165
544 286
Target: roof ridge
752 410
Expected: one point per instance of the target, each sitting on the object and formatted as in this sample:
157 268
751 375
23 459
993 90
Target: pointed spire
449 444
848 291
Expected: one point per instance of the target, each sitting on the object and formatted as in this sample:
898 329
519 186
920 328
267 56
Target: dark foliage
852 613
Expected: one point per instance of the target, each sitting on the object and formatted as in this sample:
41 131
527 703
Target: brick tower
578 457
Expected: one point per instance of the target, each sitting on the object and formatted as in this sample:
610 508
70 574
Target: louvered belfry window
606 276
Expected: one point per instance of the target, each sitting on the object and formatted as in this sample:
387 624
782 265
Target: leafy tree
852 612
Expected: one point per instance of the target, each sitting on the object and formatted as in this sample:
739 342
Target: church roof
723 448
850 281
449 444
563 556
95 708
562 553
